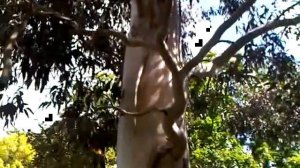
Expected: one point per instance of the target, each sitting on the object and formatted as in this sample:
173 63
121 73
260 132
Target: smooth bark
147 83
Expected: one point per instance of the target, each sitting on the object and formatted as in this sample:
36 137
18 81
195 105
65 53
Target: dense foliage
214 141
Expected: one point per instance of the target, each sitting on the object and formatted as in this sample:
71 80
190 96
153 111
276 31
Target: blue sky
34 98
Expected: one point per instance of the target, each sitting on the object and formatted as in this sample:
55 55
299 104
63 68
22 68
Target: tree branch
287 10
118 35
226 41
163 30
173 113
125 112
133 43
216 37
167 57
41 10
203 73
242 41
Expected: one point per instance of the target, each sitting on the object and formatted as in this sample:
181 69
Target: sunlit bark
147 83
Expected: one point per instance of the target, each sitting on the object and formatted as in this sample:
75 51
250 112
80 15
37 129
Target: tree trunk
147 86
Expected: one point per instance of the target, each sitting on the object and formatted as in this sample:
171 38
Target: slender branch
167 57
226 41
130 42
216 37
124 112
162 46
202 74
118 35
41 10
49 12
100 32
232 49
38 9
287 10
177 139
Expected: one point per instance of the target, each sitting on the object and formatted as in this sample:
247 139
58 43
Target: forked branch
216 37
223 59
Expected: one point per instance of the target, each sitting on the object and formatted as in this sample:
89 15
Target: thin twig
226 41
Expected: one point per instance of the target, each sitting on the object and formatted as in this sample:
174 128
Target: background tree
54 148
215 112
73 38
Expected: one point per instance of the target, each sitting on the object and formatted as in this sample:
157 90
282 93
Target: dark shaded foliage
55 149
50 46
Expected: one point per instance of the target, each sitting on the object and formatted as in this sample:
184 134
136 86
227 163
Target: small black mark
49 118
208 29
199 44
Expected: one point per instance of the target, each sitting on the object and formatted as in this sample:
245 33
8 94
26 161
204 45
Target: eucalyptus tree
73 38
